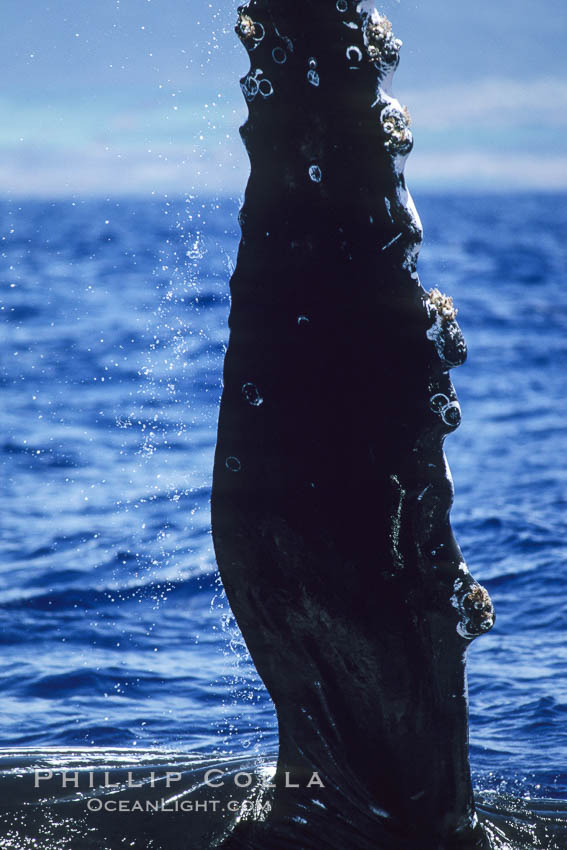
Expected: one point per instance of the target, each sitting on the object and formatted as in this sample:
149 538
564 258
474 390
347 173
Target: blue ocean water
114 627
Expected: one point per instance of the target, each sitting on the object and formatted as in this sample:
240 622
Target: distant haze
140 96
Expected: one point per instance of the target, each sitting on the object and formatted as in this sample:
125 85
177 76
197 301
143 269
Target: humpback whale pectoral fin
331 501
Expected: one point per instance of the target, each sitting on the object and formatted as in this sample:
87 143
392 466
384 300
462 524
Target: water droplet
312 62
302 320
233 464
315 173
342 6
252 394
279 55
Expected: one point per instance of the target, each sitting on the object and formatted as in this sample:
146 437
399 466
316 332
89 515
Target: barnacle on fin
381 44
478 606
443 304
245 27
395 123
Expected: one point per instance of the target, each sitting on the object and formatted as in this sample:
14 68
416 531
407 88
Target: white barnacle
279 55
251 32
250 87
443 305
451 414
260 32
438 401
312 74
252 394
313 77
476 614
265 88
286 40
445 332
315 173
246 27
381 45
395 124
354 53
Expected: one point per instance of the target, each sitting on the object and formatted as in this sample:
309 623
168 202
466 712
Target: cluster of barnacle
381 44
478 603
396 126
448 409
245 27
443 304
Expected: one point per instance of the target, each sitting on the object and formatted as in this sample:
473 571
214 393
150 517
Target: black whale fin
331 491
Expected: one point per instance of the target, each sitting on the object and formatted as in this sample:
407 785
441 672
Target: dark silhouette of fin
331 492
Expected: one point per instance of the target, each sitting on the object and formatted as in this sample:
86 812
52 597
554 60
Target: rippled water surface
114 628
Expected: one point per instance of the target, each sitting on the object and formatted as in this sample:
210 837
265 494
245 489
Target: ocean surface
114 628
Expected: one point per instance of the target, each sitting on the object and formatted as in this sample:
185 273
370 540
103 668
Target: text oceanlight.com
113 805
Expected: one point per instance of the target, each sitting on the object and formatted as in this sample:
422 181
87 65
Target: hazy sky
134 96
